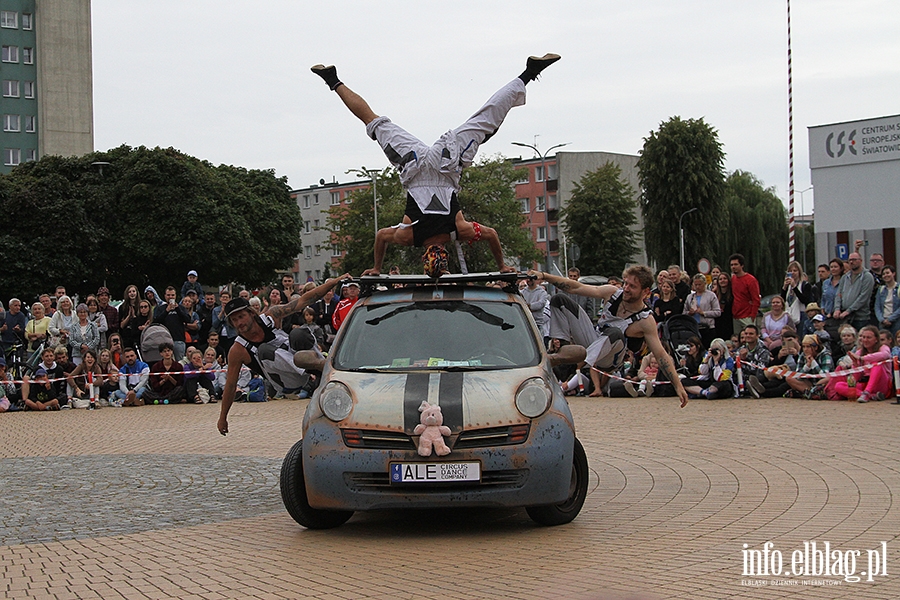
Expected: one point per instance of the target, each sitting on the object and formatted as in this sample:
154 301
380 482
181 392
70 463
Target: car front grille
473 438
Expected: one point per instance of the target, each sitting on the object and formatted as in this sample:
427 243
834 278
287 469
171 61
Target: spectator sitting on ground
871 352
716 370
36 329
168 385
774 321
11 391
198 380
754 354
61 354
690 362
134 379
895 350
845 345
110 374
646 377
86 380
42 393
54 373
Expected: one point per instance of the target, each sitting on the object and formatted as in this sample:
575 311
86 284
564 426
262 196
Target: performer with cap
266 350
431 174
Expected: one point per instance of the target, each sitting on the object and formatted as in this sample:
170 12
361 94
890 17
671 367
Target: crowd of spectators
151 348
846 318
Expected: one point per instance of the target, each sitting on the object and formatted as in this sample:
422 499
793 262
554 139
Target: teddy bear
431 430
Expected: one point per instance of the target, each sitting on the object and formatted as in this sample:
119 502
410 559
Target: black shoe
535 64
329 74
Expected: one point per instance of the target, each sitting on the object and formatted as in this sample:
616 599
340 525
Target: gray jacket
854 293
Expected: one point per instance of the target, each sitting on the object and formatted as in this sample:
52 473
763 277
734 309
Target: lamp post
373 174
681 235
546 203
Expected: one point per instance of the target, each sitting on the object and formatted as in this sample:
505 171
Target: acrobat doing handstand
431 174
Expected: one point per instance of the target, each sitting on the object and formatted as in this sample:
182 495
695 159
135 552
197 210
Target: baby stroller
151 338
676 331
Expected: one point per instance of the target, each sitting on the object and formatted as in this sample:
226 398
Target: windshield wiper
476 311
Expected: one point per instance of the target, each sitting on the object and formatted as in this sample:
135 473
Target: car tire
568 509
293 494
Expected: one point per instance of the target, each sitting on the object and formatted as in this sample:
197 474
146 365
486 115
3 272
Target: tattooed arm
564 284
297 304
666 365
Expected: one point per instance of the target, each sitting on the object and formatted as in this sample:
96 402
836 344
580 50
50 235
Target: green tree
599 217
487 195
680 168
756 226
148 216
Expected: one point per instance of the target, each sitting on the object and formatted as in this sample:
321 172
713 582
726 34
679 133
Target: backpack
257 390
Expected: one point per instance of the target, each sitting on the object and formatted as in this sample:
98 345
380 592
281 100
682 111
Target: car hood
468 399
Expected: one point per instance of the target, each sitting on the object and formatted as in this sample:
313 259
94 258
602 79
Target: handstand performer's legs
352 100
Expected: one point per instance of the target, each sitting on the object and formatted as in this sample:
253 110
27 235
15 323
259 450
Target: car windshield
460 335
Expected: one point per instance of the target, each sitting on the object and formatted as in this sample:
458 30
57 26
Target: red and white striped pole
791 249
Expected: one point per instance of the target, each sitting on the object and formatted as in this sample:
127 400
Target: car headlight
533 397
335 401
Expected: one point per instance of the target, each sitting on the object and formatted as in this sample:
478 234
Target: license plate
434 472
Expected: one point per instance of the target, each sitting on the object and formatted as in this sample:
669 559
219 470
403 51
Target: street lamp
373 174
681 235
546 202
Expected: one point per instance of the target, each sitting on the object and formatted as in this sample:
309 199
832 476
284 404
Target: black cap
235 305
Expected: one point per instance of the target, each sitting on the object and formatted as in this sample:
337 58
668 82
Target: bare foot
507 269
596 394
372 271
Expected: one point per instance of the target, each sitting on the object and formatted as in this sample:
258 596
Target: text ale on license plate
435 472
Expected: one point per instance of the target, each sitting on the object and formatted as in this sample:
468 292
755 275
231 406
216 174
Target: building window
9 54
318 252
551 171
306 201
523 176
539 173
335 198
11 88
27 22
335 251
526 205
316 225
28 89
318 275
305 226
308 275
307 252
539 204
12 156
10 122
553 204
28 56
9 19
542 234
316 199
30 124
30 155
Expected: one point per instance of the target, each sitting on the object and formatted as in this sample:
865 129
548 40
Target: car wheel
568 509
293 494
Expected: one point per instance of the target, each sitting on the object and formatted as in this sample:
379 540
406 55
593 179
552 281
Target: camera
714 351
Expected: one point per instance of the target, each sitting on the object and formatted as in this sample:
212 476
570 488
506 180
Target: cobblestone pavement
153 503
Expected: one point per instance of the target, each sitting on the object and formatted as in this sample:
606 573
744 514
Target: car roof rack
368 283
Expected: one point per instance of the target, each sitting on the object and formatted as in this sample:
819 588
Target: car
473 350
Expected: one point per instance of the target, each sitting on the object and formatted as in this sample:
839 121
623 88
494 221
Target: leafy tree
680 168
756 226
487 195
148 216
598 217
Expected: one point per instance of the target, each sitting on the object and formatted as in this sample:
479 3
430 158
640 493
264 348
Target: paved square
153 503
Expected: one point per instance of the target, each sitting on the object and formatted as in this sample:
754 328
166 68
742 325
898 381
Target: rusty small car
471 349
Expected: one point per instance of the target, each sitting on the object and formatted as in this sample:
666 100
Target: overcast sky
229 82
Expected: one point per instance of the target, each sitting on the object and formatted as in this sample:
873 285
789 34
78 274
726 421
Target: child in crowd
198 380
646 377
